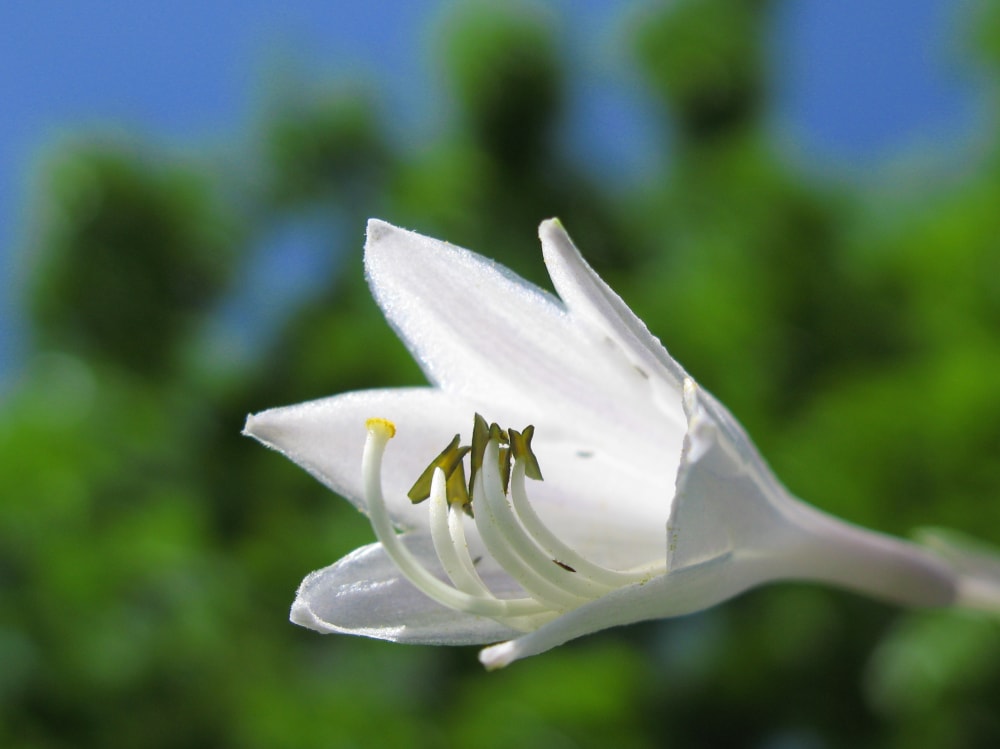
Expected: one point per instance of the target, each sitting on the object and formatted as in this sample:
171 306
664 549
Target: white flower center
555 578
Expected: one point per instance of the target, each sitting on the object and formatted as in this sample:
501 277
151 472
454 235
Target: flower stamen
555 577
562 585
450 461
448 536
380 431
558 551
507 543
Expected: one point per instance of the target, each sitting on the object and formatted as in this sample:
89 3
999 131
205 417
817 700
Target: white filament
409 565
449 541
513 535
570 588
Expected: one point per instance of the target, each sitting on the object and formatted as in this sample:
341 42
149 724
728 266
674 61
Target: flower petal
728 501
365 594
592 301
608 509
326 437
675 594
726 497
481 333
470 324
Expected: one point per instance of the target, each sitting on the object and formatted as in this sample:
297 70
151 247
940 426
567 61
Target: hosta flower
654 502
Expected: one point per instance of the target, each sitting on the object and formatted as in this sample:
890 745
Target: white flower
655 503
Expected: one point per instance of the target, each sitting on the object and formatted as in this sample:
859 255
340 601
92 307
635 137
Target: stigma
554 577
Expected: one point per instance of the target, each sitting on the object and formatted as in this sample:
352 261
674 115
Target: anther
554 576
520 445
448 461
502 439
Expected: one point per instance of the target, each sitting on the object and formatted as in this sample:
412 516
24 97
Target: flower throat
554 577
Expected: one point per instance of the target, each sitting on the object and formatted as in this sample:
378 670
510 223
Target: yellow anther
381 427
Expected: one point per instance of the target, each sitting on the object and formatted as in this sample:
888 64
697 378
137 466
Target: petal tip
377 229
552 231
249 425
498 656
302 615
259 427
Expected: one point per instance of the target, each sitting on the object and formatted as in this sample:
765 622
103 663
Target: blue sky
861 82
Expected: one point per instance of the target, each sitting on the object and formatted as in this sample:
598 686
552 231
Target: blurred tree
130 256
324 145
704 60
508 80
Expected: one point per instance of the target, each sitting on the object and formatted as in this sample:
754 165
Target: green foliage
131 253
508 81
330 145
703 59
148 554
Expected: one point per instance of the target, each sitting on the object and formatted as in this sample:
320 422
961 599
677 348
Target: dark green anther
449 459
498 434
511 445
480 436
455 489
504 466
503 461
520 445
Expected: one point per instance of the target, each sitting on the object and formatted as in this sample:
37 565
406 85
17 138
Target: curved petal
726 497
674 594
589 299
728 501
364 594
480 332
608 508
326 437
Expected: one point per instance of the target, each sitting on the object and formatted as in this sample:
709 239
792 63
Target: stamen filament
379 433
509 545
555 576
449 541
528 547
557 549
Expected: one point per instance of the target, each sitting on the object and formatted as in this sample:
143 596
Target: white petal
610 509
364 594
726 497
481 333
589 299
728 501
471 324
675 594
326 437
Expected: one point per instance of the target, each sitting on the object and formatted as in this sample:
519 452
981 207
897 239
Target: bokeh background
800 200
